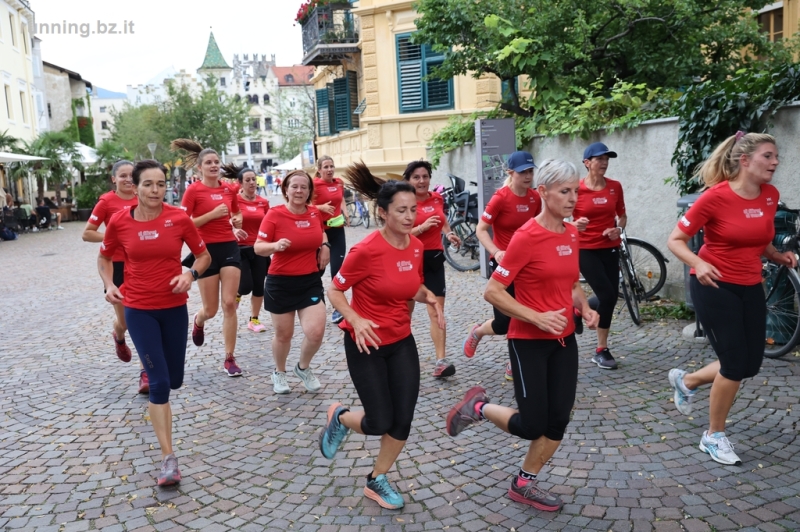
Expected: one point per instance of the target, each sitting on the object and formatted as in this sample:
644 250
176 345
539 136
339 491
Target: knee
500 326
229 306
377 427
159 390
284 336
210 311
527 429
316 333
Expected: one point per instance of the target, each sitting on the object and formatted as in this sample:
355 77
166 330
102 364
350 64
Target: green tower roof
213 57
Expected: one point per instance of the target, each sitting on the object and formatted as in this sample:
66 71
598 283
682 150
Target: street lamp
152 147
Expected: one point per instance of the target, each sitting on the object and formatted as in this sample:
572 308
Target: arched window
289 78
266 99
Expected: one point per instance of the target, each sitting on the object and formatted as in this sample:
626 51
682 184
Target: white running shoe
279 383
311 382
720 448
683 395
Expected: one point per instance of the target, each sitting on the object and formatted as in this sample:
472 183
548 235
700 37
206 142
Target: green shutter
341 97
332 109
437 91
352 90
409 67
323 114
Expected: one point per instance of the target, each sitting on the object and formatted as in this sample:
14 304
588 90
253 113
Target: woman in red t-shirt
121 198
429 226
508 210
384 272
214 209
329 199
253 267
543 258
736 213
294 237
151 236
600 217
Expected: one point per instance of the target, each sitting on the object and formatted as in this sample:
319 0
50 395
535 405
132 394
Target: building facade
780 20
68 101
18 116
104 104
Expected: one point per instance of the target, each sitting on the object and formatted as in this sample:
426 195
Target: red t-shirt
383 279
332 192
153 255
543 266
601 207
433 206
304 231
200 199
109 205
736 230
253 213
506 212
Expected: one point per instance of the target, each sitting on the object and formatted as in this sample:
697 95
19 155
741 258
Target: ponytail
381 191
723 164
194 152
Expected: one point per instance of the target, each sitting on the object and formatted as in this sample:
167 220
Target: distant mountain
101 93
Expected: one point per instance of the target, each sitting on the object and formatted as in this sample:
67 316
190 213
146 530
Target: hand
323 257
113 295
707 274
453 239
236 221
282 244
499 256
787 258
431 222
240 234
327 208
591 317
612 233
552 321
220 211
581 223
181 283
365 335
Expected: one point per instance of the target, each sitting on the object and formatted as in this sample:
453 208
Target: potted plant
87 195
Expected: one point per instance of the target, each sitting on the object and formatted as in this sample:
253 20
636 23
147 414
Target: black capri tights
338 248
160 339
254 271
500 322
735 320
545 379
387 382
600 268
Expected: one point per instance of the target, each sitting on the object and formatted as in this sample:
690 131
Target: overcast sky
165 33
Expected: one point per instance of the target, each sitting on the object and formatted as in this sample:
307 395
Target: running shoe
170 474
531 494
231 368
683 395
509 375
604 360
720 448
144 382
59 228
123 351
255 325
198 335
333 433
311 382
443 369
471 342
379 490
336 317
279 383
463 414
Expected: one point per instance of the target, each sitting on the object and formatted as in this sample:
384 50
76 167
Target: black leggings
600 268
500 322
735 320
338 248
545 379
387 382
254 271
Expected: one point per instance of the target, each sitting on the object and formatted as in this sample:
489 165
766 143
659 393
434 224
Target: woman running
508 210
329 199
429 226
384 271
736 213
253 267
123 197
151 236
214 209
294 236
600 218
542 257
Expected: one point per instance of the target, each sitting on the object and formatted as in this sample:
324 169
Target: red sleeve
355 268
517 256
110 240
621 203
98 215
235 202
266 232
192 237
494 206
698 214
187 204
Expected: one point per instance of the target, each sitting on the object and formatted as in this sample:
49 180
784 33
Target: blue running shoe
333 433
379 490
720 448
683 395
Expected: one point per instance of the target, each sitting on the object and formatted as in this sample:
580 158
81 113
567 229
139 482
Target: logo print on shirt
502 271
93 217
487 215
168 223
685 221
428 209
404 266
416 253
522 208
599 201
564 251
333 189
753 213
302 224
148 235
769 201
262 234
251 209
216 197
340 278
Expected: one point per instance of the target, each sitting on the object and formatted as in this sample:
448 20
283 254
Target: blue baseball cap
519 161
597 149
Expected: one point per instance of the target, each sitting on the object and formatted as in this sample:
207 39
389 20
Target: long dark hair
381 191
231 171
194 152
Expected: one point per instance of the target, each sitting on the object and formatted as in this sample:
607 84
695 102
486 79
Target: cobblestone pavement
77 451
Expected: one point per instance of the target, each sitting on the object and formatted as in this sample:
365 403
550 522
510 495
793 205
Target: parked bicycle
461 208
781 288
643 272
357 210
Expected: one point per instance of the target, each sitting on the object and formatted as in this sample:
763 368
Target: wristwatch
194 273
328 244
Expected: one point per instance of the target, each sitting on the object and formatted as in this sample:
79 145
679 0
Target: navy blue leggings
160 339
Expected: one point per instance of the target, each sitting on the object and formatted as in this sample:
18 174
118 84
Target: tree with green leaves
8 142
294 120
135 127
61 158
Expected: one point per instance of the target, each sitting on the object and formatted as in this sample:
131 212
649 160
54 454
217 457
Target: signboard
495 141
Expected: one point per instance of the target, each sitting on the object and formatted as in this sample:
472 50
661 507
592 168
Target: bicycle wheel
629 291
365 214
649 265
781 288
467 256
354 213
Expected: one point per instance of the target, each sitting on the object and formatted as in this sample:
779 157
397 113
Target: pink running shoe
256 326
471 343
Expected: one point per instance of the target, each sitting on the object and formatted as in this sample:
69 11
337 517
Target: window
255 147
221 82
25 38
289 78
414 63
255 125
267 124
13 30
102 109
771 23
9 103
293 102
252 99
337 104
103 124
23 107
49 111
269 147
505 89
242 150
293 122
266 99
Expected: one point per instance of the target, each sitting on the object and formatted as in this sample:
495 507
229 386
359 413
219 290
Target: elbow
85 237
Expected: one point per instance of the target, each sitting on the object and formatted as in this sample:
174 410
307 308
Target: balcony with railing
330 33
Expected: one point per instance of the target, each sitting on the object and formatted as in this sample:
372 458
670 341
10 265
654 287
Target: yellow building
17 115
780 19
372 102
